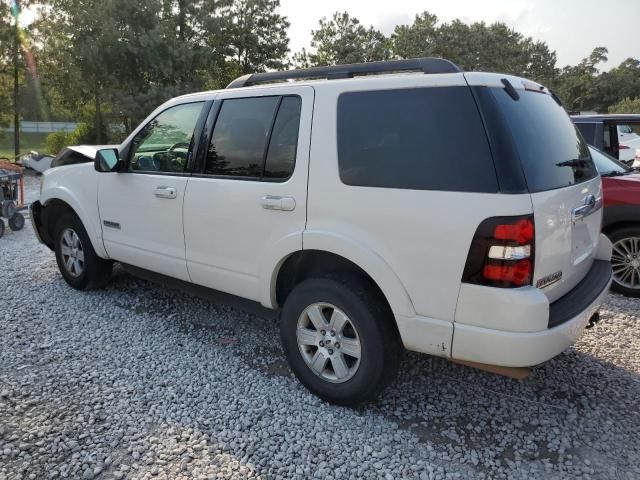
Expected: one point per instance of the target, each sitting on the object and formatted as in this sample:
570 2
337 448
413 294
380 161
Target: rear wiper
613 173
576 162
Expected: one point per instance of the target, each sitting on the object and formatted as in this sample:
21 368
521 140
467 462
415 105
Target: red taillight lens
623 147
521 232
518 273
502 253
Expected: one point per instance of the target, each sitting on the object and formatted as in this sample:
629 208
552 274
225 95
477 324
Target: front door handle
276 202
165 192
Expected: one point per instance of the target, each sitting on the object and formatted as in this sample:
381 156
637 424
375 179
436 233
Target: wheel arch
330 253
54 206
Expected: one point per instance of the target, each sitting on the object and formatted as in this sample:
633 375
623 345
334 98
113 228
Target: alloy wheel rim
72 252
329 342
625 261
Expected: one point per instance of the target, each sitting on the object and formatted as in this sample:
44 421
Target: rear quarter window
419 138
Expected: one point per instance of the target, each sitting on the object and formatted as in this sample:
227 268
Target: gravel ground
139 382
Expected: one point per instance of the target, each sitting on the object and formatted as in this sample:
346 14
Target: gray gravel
139 382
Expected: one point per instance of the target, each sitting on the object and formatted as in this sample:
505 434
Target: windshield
552 152
606 164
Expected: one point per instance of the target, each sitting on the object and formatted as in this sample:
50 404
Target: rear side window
255 138
552 152
281 156
240 136
420 138
588 131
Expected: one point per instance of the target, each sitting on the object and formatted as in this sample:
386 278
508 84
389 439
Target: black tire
1 228
381 349
95 272
8 208
16 222
620 236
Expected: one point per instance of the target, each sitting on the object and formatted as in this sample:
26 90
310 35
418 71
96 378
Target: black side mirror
107 160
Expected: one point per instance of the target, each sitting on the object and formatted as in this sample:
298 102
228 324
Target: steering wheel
179 145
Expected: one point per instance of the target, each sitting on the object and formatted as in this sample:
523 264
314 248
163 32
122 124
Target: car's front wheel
78 262
339 338
625 260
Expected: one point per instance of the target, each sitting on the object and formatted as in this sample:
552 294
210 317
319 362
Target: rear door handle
165 192
276 202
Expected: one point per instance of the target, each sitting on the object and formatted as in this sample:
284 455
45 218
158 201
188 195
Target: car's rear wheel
78 262
625 261
339 338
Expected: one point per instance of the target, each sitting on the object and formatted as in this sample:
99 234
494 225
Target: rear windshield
552 152
417 138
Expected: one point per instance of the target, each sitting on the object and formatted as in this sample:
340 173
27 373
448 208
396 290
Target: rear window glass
420 138
552 152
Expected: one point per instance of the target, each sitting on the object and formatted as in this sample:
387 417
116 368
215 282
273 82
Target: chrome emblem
549 279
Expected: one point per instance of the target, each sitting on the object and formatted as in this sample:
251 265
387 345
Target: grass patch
28 141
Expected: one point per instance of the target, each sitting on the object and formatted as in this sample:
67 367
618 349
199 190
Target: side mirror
106 160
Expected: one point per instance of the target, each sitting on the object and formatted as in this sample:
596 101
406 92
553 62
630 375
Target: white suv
379 205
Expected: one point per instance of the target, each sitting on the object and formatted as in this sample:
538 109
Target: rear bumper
566 319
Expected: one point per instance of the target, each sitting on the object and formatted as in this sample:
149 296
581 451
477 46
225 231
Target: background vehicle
37 161
380 229
77 154
621 220
612 134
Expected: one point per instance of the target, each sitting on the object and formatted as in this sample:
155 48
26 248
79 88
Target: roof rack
425 65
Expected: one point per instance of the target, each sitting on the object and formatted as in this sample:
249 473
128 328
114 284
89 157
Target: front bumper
567 320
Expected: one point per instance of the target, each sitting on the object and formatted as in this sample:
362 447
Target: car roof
616 117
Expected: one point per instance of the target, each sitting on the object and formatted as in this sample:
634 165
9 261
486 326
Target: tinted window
606 164
163 144
588 131
240 136
552 152
422 138
281 156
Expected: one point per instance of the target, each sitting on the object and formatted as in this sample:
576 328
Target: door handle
165 192
590 205
276 202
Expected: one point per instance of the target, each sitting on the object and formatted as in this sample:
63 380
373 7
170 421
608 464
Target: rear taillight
501 253
623 147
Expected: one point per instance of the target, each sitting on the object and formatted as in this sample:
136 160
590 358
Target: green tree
618 83
343 39
476 46
418 39
626 105
578 86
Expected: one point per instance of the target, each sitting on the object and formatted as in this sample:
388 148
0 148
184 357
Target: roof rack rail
425 65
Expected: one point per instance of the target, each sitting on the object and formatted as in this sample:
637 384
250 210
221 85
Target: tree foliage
626 105
343 39
108 63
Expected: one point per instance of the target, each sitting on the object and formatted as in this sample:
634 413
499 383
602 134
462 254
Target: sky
570 27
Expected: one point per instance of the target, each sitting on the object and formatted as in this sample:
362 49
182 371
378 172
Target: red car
621 221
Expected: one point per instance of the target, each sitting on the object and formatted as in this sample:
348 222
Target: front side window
163 145
419 138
